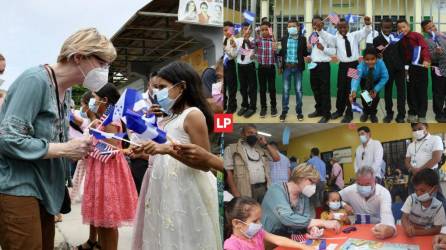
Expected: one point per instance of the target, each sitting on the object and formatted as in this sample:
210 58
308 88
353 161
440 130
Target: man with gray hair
371 203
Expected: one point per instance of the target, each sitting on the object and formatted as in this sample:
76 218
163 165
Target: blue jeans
288 73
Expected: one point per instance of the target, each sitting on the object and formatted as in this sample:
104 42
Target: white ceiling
276 130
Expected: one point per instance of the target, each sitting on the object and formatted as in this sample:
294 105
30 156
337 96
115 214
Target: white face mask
96 78
334 205
309 190
363 138
419 134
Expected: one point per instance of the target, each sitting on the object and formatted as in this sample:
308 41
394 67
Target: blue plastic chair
396 211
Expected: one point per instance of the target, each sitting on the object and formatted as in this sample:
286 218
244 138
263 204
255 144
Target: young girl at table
243 216
333 209
423 213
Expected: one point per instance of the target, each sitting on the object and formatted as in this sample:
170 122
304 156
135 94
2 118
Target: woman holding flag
110 195
181 208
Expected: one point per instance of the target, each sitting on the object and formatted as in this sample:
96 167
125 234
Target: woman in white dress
181 204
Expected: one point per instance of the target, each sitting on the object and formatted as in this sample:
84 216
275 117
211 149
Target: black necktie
369 80
348 49
243 46
225 42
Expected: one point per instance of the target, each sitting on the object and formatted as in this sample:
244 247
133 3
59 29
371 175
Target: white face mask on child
253 229
334 205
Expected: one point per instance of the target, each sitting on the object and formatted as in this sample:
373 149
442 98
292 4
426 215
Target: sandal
91 245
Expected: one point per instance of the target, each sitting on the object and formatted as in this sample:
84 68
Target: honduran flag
145 127
101 135
356 107
249 16
131 99
237 28
395 37
350 18
416 55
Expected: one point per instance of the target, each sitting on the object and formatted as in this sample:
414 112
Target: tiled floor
308 107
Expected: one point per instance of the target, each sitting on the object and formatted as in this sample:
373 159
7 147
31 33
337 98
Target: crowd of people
164 190
269 197
403 57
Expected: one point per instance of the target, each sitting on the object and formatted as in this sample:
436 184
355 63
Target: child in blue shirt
372 76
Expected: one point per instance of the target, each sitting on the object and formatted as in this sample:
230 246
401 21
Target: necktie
369 80
348 49
225 42
244 47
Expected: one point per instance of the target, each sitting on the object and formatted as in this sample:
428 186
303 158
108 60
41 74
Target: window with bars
395 153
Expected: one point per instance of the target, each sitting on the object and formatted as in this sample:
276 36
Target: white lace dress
181 204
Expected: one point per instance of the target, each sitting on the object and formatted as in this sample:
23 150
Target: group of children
403 57
423 213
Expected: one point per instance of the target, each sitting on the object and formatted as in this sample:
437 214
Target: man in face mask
369 153
247 164
319 164
425 151
371 203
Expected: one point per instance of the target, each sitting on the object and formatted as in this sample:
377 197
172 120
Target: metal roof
152 37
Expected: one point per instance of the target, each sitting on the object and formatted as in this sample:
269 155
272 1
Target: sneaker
249 113
282 117
273 111
440 118
412 119
364 117
347 119
373 119
314 114
300 117
336 115
388 118
263 113
400 119
242 111
324 120
422 119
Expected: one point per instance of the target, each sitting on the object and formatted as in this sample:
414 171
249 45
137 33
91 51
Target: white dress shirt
420 152
371 36
318 55
353 37
246 52
378 206
229 50
370 155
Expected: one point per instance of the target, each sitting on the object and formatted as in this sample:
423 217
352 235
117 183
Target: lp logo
223 123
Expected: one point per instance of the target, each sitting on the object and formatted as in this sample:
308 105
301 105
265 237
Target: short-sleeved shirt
337 171
420 152
237 243
320 166
29 122
424 216
279 169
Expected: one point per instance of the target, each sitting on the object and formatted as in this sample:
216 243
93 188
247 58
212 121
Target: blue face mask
83 114
292 31
364 191
92 105
164 100
253 229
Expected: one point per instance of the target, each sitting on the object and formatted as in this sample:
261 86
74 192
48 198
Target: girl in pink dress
110 196
243 216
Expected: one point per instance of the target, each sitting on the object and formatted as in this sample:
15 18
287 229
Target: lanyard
53 75
415 146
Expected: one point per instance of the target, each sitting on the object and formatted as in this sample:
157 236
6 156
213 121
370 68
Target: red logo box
223 123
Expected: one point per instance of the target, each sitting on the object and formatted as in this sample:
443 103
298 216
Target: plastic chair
396 211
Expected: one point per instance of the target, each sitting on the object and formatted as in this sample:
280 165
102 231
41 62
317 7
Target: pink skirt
110 196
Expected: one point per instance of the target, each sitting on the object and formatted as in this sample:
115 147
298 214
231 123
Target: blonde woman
33 139
286 207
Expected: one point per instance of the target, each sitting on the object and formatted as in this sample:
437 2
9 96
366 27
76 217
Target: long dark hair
192 95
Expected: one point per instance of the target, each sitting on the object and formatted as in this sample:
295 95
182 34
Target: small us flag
352 73
334 18
103 152
299 237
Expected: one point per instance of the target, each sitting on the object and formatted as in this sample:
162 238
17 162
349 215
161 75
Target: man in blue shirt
372 76
319 164
279 170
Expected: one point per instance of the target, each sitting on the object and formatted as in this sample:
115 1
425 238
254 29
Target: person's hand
332 224
232 42
262 141
78 148
372 94
334 59
410 230
320 46
381 231
426 64
193 153
153 148
348 208
137 153
309 46
95 124
156 110
439 242
352 96
367 20
307 59
331 216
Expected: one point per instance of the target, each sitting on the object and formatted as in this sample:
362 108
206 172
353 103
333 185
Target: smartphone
366 96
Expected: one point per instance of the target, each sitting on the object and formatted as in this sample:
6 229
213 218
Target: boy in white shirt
423 213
